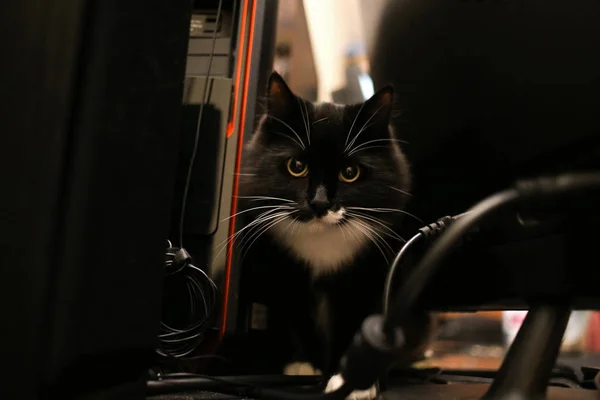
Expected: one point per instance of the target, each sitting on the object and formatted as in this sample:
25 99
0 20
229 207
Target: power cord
202 294
425 234
199 124
202 291
379 343
249 386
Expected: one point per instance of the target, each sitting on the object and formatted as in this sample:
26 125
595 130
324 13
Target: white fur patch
337 381
324 244
300 369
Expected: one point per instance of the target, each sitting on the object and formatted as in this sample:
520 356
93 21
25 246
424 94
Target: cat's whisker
349 226
368 232
307 120
362 146
289 225
377 232
257 221
349 146
377 239
248 235
368 164
288 137
242 174
364 128
401 191
304 119
291 129
262 218
368 142
368 148
296 223
387 230
258 198
343 234
386 223
319 120
352 126
264 221
279 206
242 233
362 214
387 210
265 229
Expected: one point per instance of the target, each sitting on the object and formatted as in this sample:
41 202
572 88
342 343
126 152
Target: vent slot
205 25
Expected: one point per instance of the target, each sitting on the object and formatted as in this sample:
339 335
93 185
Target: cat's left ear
380 104
279 96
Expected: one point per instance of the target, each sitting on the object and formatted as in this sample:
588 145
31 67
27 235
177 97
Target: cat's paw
337 381
300 368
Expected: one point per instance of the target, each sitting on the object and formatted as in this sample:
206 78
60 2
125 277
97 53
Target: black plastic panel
205 186
89 148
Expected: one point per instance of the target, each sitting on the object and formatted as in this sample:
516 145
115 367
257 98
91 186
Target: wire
197 135
419 237
530 190
249 380
412 287
425 234
202 295
201 289
380 340
240 386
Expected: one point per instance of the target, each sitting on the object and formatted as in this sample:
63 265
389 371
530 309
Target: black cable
427 232
239 386
248 380
419 237
412 287
202 291
197 135
202 299
530 190
380 342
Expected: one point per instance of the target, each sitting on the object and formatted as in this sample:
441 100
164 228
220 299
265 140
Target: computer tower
92 92
230 55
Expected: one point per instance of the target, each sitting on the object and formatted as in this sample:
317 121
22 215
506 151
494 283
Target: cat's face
325 165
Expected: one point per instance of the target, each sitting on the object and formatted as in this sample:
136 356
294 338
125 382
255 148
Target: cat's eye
349 173
297 168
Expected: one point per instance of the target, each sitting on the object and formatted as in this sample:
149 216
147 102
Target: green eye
297 168
349 173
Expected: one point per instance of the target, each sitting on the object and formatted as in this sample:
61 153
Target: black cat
323 186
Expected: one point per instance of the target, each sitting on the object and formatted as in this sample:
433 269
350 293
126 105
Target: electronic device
230 55
92 99
488 93
103 156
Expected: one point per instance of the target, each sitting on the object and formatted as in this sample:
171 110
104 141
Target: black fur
294 295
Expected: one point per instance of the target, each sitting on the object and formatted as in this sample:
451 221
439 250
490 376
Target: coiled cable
197 293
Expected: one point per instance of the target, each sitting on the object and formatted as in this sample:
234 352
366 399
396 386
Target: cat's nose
320 207
319 203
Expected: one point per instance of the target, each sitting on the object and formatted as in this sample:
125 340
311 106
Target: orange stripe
242 127
238 70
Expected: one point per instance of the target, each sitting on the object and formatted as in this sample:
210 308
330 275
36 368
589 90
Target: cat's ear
372 118
279 96
380 104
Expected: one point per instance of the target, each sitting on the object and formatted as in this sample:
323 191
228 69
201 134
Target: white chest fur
325 247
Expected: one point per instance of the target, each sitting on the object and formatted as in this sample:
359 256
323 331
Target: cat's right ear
279 96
